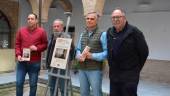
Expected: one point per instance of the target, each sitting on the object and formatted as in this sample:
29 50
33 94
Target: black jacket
127 53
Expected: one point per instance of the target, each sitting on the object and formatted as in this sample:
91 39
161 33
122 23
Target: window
5 32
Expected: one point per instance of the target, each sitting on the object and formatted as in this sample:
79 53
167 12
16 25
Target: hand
88 55
33 48
19 58
80 58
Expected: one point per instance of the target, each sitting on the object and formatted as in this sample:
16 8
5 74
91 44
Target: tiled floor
146 88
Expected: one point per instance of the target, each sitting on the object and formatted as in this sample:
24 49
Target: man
58 31
34 39
90 72
127 53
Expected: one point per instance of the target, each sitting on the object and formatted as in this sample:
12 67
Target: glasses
117 17
90 18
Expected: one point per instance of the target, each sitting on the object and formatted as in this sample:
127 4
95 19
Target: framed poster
61 53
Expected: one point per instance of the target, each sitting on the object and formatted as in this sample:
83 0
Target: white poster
61 53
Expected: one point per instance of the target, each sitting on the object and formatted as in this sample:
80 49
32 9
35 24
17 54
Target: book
26 54
86 49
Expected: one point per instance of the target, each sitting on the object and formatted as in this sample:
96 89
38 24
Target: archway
5 31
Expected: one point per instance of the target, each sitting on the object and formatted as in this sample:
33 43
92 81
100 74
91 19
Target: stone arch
46 5
5 31
66 4
6 6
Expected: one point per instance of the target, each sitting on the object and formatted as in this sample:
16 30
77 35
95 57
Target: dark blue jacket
127 53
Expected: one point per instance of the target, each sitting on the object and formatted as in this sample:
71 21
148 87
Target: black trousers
118 88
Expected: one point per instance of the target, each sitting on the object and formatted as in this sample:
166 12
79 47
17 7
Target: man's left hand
33 48
88 55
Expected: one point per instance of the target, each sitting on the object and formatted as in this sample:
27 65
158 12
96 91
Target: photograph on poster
61 53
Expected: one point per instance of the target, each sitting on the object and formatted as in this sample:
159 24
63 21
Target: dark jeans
52 82
123 88
33 71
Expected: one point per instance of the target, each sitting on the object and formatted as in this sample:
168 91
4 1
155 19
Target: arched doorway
5 31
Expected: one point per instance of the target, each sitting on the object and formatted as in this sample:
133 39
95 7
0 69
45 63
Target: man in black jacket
127 53
58 32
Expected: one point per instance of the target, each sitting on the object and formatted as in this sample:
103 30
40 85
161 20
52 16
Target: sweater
25 38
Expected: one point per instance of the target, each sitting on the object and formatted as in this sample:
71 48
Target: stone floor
146 87
7 86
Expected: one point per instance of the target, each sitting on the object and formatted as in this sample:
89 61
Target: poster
61 53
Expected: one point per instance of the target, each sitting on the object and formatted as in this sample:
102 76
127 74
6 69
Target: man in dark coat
127 53
58 32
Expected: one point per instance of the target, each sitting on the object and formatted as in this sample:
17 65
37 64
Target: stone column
34 6
93 6
45 8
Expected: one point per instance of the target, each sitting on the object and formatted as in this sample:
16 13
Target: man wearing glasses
127 53
91 60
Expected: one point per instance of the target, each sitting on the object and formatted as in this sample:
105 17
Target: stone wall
156 70
7 60
153 70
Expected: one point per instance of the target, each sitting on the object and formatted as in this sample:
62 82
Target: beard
57 34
